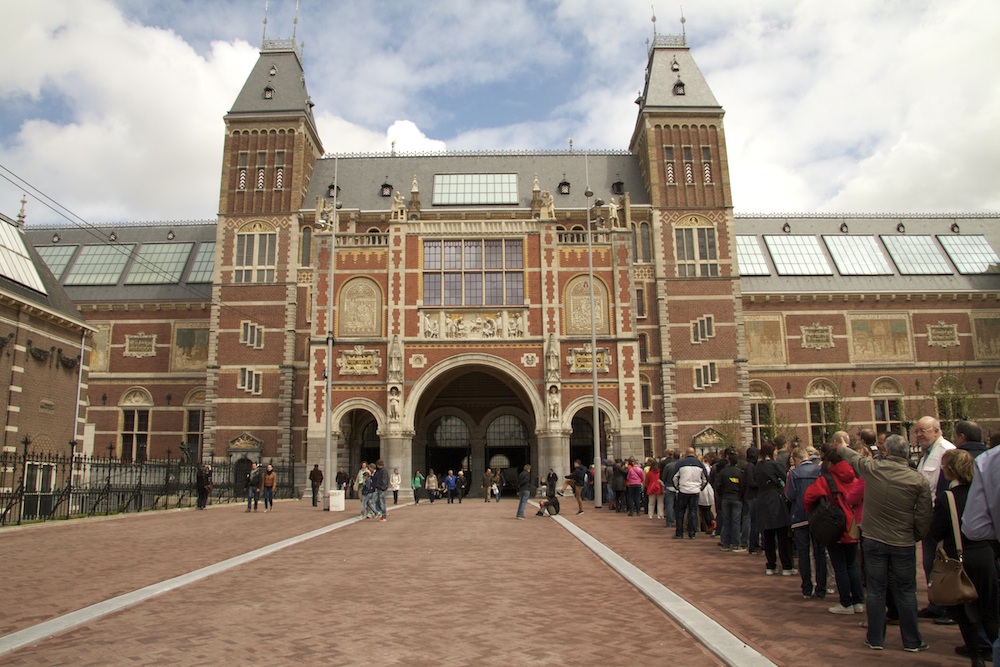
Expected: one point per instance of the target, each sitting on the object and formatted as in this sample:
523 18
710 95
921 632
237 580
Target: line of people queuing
760 501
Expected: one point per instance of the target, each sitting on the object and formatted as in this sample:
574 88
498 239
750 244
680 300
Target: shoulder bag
949 585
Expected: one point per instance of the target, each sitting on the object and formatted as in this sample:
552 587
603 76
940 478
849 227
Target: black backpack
827 521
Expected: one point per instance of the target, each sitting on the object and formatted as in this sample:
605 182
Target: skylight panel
99 265
15 263
971 254
857 256
203 264
474 189
159 264
56 257
916 255
750 257
798 255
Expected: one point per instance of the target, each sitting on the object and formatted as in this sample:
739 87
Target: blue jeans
523 502
633 495
751 531
806 546
380 502
669 496
687 505
731 518
847 572
253 494
880 560
268 497
315 495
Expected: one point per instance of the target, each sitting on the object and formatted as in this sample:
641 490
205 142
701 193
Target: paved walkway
448 584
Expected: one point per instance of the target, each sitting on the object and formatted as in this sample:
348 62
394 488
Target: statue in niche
395 361
394 413
554 403
552 359
548 206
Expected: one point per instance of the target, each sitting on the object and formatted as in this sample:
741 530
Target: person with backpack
805 470
253 486
843 552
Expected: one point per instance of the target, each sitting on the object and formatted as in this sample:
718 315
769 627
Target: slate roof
360 177
671 61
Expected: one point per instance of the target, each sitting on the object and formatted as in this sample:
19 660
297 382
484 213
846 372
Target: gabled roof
670 63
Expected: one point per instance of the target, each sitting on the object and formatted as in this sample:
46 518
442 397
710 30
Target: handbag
949 585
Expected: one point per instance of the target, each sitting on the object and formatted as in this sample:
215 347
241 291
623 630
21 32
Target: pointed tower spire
263 37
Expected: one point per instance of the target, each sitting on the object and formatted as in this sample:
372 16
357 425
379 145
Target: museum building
468 299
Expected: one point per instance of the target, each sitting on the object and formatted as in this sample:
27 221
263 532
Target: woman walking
431 484
394 483
416 484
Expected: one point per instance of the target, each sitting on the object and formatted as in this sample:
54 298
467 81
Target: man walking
449 486
898 514
689 479
316 479
253 486
487 484
523 490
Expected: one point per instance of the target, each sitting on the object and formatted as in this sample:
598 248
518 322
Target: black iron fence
39 487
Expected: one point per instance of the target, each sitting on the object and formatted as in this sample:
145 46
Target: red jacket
652 482
843 475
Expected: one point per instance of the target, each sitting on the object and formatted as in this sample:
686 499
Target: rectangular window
696 259
888 417
473 273
643 348
99 265
204 262
647 440
255 258
822 421
760 419
706 375
193 430
702 329
645 394
135 434
249 381
474 189
640 302
159 264
252 335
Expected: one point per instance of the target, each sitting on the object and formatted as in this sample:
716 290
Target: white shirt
930 464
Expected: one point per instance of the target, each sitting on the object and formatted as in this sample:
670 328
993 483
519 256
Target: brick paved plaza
435 584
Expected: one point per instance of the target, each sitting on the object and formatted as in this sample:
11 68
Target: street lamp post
593 349
329 216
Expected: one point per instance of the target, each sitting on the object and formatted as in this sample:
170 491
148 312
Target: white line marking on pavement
724 644
36 633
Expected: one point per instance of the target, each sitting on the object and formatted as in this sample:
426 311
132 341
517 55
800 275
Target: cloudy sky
113 108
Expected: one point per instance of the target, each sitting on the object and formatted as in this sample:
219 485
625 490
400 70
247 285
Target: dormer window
332 190
679 87
274 70
268 93
386 190
564 188
617 188
675 66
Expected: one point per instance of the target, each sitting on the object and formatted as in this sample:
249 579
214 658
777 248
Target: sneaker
737 550
678 537
788 573
944 620
808 596
579 513
840 609
690 537
559 493
381 519
874 647
521 518
916 649
858 608
769 571
539 513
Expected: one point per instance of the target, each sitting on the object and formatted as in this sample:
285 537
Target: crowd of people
892 500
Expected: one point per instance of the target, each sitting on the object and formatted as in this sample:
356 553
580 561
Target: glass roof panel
159 264
15 263
99 265
916 255
857 256
203 264
56 257
798 255
971 254
750 257
472 189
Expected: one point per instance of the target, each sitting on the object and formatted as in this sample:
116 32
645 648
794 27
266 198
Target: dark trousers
686 507
847 572
315 495
779 537
881 560
633 495
806 546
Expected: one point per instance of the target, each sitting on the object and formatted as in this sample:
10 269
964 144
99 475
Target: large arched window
641 242
887 406
695 247
824 411
135 405
761 419
448 431
506 431
256 245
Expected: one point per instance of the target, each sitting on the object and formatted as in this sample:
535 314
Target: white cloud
829 107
